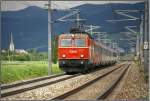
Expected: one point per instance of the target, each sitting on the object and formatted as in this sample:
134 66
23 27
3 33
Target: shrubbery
24 57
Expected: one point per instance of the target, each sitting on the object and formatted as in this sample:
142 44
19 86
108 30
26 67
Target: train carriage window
80 42
65 42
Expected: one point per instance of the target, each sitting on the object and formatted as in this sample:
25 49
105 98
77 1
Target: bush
22 57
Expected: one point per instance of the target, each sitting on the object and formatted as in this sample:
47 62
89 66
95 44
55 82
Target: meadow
23 70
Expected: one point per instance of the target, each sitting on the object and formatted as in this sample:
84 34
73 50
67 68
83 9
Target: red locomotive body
79 53
73 46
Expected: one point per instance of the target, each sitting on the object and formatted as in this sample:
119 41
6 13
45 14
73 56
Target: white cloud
17 5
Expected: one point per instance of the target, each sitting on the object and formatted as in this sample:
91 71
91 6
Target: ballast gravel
135 86
95 89
59 88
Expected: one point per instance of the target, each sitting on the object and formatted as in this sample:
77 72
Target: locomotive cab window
80 42
65 42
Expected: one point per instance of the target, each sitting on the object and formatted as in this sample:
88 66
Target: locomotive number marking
72 51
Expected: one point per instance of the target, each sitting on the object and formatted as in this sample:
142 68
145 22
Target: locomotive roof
82 34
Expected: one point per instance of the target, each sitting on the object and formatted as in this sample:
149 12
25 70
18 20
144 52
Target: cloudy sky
17 5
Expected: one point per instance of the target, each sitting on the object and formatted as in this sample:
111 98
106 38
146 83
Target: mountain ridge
29 25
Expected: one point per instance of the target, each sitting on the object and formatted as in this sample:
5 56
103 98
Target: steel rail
112 86
6 86
71 92
23 89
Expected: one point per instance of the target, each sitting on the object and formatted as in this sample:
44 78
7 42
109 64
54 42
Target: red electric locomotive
78 52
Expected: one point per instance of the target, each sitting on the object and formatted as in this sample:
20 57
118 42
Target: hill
30 27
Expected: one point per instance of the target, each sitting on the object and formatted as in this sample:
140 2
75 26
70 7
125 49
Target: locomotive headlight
63 55
82 56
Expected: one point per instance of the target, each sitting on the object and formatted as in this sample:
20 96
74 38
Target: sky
18 5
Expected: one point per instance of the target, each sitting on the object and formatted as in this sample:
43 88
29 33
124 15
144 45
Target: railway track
16 88
104 94
20 87
112 86
6 86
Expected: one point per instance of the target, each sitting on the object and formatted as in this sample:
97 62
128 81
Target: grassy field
14 71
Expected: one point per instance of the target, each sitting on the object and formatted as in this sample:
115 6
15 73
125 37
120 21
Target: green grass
15 71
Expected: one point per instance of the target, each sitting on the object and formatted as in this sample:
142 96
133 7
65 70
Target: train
78 52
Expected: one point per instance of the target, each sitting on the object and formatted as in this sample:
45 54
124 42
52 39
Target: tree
32 51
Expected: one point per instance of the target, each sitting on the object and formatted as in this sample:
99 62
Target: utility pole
72 13
78 20
137 46
133 18
141 40
146 38
91 28
126 51
100 35
49 40
137 38
114 45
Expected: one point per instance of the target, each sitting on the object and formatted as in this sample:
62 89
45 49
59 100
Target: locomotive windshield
65 42
77 42
80 42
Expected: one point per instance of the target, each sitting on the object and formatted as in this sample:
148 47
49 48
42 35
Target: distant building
21 51
12 47
11 44
3 51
